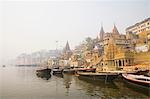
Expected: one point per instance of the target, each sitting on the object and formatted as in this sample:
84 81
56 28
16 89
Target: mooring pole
106 78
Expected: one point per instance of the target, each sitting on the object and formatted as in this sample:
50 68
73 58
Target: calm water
23 83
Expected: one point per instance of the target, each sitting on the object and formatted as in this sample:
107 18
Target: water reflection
23 83
67 82
98 88
137 88
109 84
43 75
109 90
59 75
128 91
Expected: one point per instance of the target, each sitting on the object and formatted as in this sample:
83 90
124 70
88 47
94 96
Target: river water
23 83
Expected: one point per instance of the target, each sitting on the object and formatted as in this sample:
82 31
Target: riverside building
116 51
139 34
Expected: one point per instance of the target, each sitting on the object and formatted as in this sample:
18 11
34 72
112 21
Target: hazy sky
32 25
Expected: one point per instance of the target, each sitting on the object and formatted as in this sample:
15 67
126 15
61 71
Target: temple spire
67 52
115 30
67 47
101 33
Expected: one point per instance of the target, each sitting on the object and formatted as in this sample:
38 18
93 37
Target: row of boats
71 70
91 74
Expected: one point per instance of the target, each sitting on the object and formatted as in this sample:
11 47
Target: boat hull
141 83
86 70
98 76
47 71
57 71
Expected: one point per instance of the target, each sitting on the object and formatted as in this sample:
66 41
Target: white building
139 27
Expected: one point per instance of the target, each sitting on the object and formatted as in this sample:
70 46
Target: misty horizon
31 26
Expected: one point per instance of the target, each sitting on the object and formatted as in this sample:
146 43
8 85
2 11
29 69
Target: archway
119 62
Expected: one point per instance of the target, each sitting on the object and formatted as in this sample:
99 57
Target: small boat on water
57 70
86 69
144 72
44 70
103 76
137 79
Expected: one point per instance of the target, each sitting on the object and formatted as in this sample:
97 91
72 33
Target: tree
89 43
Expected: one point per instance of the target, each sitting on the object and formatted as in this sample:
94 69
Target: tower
115 30
67 52
67 48
101 34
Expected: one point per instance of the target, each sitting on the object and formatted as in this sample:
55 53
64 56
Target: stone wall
142 58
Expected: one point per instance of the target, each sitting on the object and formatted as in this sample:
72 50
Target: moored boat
105 76
86 69
137 79
57 70
44 70
144 72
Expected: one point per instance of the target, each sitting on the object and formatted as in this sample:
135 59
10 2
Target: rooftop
148 19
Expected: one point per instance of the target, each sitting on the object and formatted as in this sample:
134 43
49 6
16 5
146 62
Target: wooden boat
144 72
86 69
44 70
137 79
105 76
57 70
